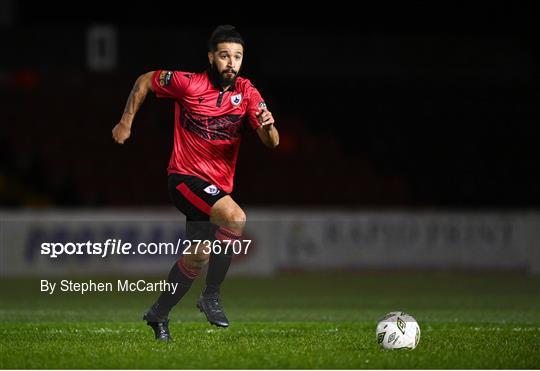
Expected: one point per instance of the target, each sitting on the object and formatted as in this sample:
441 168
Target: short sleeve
255 102
170 84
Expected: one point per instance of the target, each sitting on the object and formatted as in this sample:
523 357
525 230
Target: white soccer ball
398 330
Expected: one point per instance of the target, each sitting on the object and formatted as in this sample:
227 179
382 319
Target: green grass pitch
289 321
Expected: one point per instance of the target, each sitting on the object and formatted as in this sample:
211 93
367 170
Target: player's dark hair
224 34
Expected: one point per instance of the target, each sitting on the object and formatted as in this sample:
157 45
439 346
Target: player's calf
197 257
157 316
209 302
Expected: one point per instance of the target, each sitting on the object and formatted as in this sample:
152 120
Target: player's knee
236 220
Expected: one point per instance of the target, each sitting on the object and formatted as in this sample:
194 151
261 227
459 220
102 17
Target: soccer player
211 109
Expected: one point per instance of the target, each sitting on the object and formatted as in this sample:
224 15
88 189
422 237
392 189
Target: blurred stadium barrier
281 239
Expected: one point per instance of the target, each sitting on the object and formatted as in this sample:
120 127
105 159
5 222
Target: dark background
419 105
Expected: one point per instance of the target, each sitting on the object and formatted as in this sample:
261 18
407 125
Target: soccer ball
398 330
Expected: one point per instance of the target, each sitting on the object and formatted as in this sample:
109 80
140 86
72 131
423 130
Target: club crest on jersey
236 99
212 190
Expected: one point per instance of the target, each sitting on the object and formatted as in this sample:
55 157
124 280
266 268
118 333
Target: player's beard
221 77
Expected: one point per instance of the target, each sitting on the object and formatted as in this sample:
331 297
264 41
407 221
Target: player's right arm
142 86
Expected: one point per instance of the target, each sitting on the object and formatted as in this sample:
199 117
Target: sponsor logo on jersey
224 127
236 99
212 190
165 78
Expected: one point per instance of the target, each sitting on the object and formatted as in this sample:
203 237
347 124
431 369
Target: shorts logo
165 78
212 190
236 99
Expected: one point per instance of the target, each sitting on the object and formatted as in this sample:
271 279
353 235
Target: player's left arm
267 131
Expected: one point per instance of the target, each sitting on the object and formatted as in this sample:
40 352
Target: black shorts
195 197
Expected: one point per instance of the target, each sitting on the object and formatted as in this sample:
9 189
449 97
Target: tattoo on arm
135 99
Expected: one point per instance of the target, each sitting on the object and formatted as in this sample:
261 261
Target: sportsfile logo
118 247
